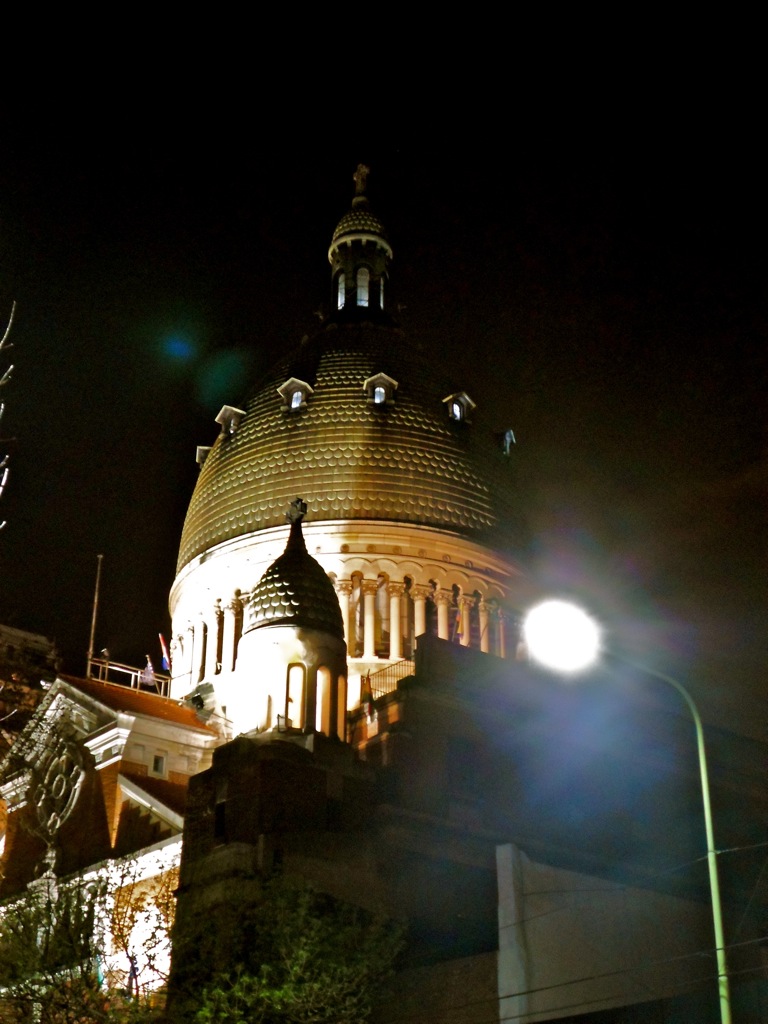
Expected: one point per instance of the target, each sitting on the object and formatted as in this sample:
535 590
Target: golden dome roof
401 461
359 221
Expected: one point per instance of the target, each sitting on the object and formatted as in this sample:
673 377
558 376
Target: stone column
485 640
198 651
189 654
228 635
370 588
395 591
344 592
420 592
502 635
443 600
465 607
212 647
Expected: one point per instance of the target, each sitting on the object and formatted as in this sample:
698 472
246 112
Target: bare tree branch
4 380
8 328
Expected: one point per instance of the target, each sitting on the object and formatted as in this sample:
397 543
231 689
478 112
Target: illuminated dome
413 512
402 460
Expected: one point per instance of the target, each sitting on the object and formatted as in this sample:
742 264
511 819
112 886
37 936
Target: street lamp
564 638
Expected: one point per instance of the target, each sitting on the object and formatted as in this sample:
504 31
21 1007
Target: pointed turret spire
295 514
295 590
359 256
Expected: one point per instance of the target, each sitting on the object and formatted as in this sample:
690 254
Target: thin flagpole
95 608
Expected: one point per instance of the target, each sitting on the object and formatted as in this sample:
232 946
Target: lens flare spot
179 348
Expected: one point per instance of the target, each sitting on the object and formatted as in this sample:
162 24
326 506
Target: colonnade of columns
209 644
455 618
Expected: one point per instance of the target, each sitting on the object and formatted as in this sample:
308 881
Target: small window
381 292
295 393
460 407
158 764
341 290
363 282
380 389
229 417
294 696
323 701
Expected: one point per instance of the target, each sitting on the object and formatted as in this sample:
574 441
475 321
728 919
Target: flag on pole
166 655
457 625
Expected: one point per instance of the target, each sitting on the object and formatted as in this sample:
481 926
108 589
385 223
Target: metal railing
146 678
386 679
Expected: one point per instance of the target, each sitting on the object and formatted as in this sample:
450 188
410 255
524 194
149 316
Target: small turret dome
295 590
360 224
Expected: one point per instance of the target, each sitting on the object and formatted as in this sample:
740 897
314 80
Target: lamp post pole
564 638
723 984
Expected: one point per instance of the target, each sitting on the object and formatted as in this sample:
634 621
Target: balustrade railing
106 671
385 680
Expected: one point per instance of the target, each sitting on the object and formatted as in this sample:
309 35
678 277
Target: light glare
561 636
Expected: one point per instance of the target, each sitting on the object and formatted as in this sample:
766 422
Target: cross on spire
360 178
296 511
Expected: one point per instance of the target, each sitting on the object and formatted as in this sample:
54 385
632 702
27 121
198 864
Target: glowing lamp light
561 636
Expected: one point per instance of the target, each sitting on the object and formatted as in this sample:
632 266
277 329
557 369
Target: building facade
350 706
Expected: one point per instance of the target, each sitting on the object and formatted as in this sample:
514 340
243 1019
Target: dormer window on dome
460 407
380 389
295 393
229 417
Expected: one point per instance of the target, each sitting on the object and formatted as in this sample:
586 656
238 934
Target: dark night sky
602 294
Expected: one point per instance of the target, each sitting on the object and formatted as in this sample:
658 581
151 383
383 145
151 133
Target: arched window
202 653
381 621
460 407
475 636
356 627
341 290
323 701
294 696
381 292
457 627
363 281
295 393
380 389
341 708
